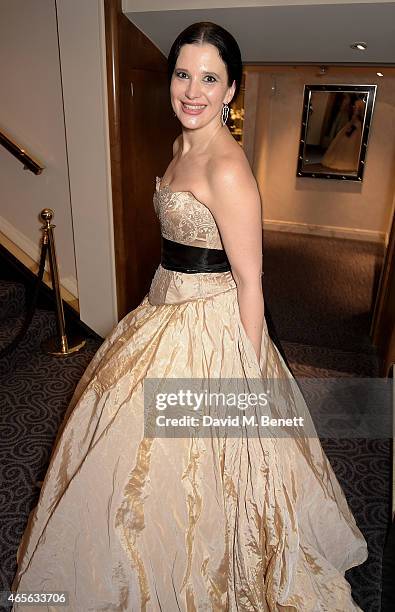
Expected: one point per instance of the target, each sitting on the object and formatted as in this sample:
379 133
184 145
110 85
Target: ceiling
270 31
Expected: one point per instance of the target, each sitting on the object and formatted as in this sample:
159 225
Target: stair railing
28 161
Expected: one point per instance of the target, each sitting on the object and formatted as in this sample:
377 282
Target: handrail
27 160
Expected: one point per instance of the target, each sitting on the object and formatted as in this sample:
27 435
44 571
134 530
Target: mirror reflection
335 127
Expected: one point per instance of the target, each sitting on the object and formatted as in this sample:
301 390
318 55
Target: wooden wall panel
142 130
383 325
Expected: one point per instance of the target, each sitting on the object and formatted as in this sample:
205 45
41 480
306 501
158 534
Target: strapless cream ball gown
222 523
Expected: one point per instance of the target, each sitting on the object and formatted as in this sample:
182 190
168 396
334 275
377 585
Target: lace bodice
185 219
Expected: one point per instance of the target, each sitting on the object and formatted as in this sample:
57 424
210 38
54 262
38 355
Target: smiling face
199 86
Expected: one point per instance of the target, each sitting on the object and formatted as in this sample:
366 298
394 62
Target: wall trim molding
332 231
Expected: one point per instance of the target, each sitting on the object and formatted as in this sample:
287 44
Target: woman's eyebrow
211 72
204 72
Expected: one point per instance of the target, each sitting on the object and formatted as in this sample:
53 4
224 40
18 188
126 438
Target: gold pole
58 346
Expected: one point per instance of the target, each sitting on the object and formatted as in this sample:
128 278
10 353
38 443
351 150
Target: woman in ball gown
342 117
343 152
239 521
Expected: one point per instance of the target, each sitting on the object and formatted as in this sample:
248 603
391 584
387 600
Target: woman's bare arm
235 203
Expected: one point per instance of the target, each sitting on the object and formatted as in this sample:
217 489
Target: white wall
164 5
329 207
38 73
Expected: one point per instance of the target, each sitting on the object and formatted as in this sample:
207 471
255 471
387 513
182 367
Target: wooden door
383 323
142 131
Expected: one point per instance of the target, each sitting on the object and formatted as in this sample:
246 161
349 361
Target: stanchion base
52 346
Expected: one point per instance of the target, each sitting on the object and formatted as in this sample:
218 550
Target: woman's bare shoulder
229 175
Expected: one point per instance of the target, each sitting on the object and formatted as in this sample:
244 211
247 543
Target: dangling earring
224 114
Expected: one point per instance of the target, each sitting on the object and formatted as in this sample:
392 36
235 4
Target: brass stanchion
59 346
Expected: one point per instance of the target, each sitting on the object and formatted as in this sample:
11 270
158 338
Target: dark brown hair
213 34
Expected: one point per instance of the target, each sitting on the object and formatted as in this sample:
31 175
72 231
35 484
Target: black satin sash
190 259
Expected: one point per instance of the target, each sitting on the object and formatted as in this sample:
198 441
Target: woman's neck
197 141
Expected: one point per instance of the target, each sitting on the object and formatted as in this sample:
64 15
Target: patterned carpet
302 273
328 286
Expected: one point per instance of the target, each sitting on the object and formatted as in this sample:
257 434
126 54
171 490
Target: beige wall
53 102
329 207
84 76
32 114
